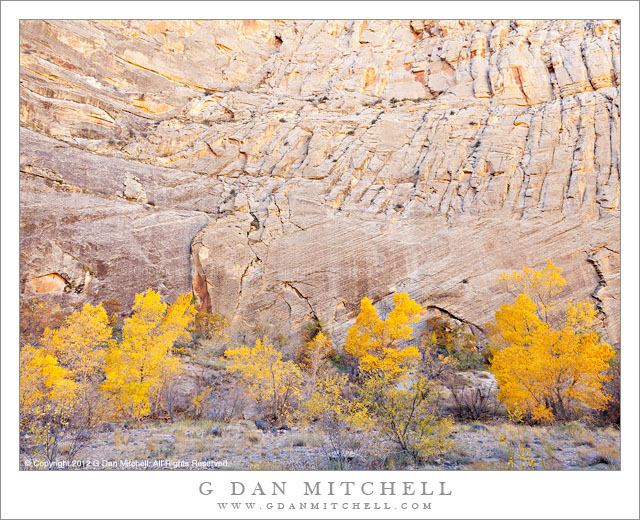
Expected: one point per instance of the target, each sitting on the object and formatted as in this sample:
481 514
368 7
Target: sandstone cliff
286 169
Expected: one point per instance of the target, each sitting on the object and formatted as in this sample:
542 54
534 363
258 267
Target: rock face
284 170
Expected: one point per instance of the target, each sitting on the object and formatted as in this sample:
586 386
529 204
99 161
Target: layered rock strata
282 170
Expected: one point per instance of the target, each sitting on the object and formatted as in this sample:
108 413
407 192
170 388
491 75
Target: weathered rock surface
284 170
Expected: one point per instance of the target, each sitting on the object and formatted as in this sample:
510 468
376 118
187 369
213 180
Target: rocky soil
282 170
205 445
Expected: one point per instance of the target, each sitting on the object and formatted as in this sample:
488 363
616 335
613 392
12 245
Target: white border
174 495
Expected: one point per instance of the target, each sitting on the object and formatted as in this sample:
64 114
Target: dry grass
251 438
505 451
267 465
611 433
64 449
517 433
577 433
396 461
308 439
460 427
548 459
193 424
137 454
573 427
566 446
486 465
218 364
609 452
152 447
121 438
459 454
230 443
181 437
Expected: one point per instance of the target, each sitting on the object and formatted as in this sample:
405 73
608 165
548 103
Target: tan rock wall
287 169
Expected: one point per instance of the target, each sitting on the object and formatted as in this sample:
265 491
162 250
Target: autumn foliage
406 415
313 356
47 393
35 317
81 375
273 383
141 372
548 359
396 396
385 408
445 338
377 344
80 345
345 420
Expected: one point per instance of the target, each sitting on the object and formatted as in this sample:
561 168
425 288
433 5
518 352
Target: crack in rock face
283 170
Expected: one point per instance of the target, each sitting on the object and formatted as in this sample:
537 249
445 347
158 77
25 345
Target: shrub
405 415
344 421
223 406
35 317
311 329
471 403
199 401
611 414
211 327
451 340
48 402
273 383
313 356
436 364
113 308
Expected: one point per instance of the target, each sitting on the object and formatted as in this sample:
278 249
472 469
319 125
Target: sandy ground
204 445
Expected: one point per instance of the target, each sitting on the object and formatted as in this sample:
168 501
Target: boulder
261 425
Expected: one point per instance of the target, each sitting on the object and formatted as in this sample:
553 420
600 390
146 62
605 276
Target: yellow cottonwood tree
142 370
549 371
541 285
273 383
400 401
48 398
79 345
45 386
376 344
